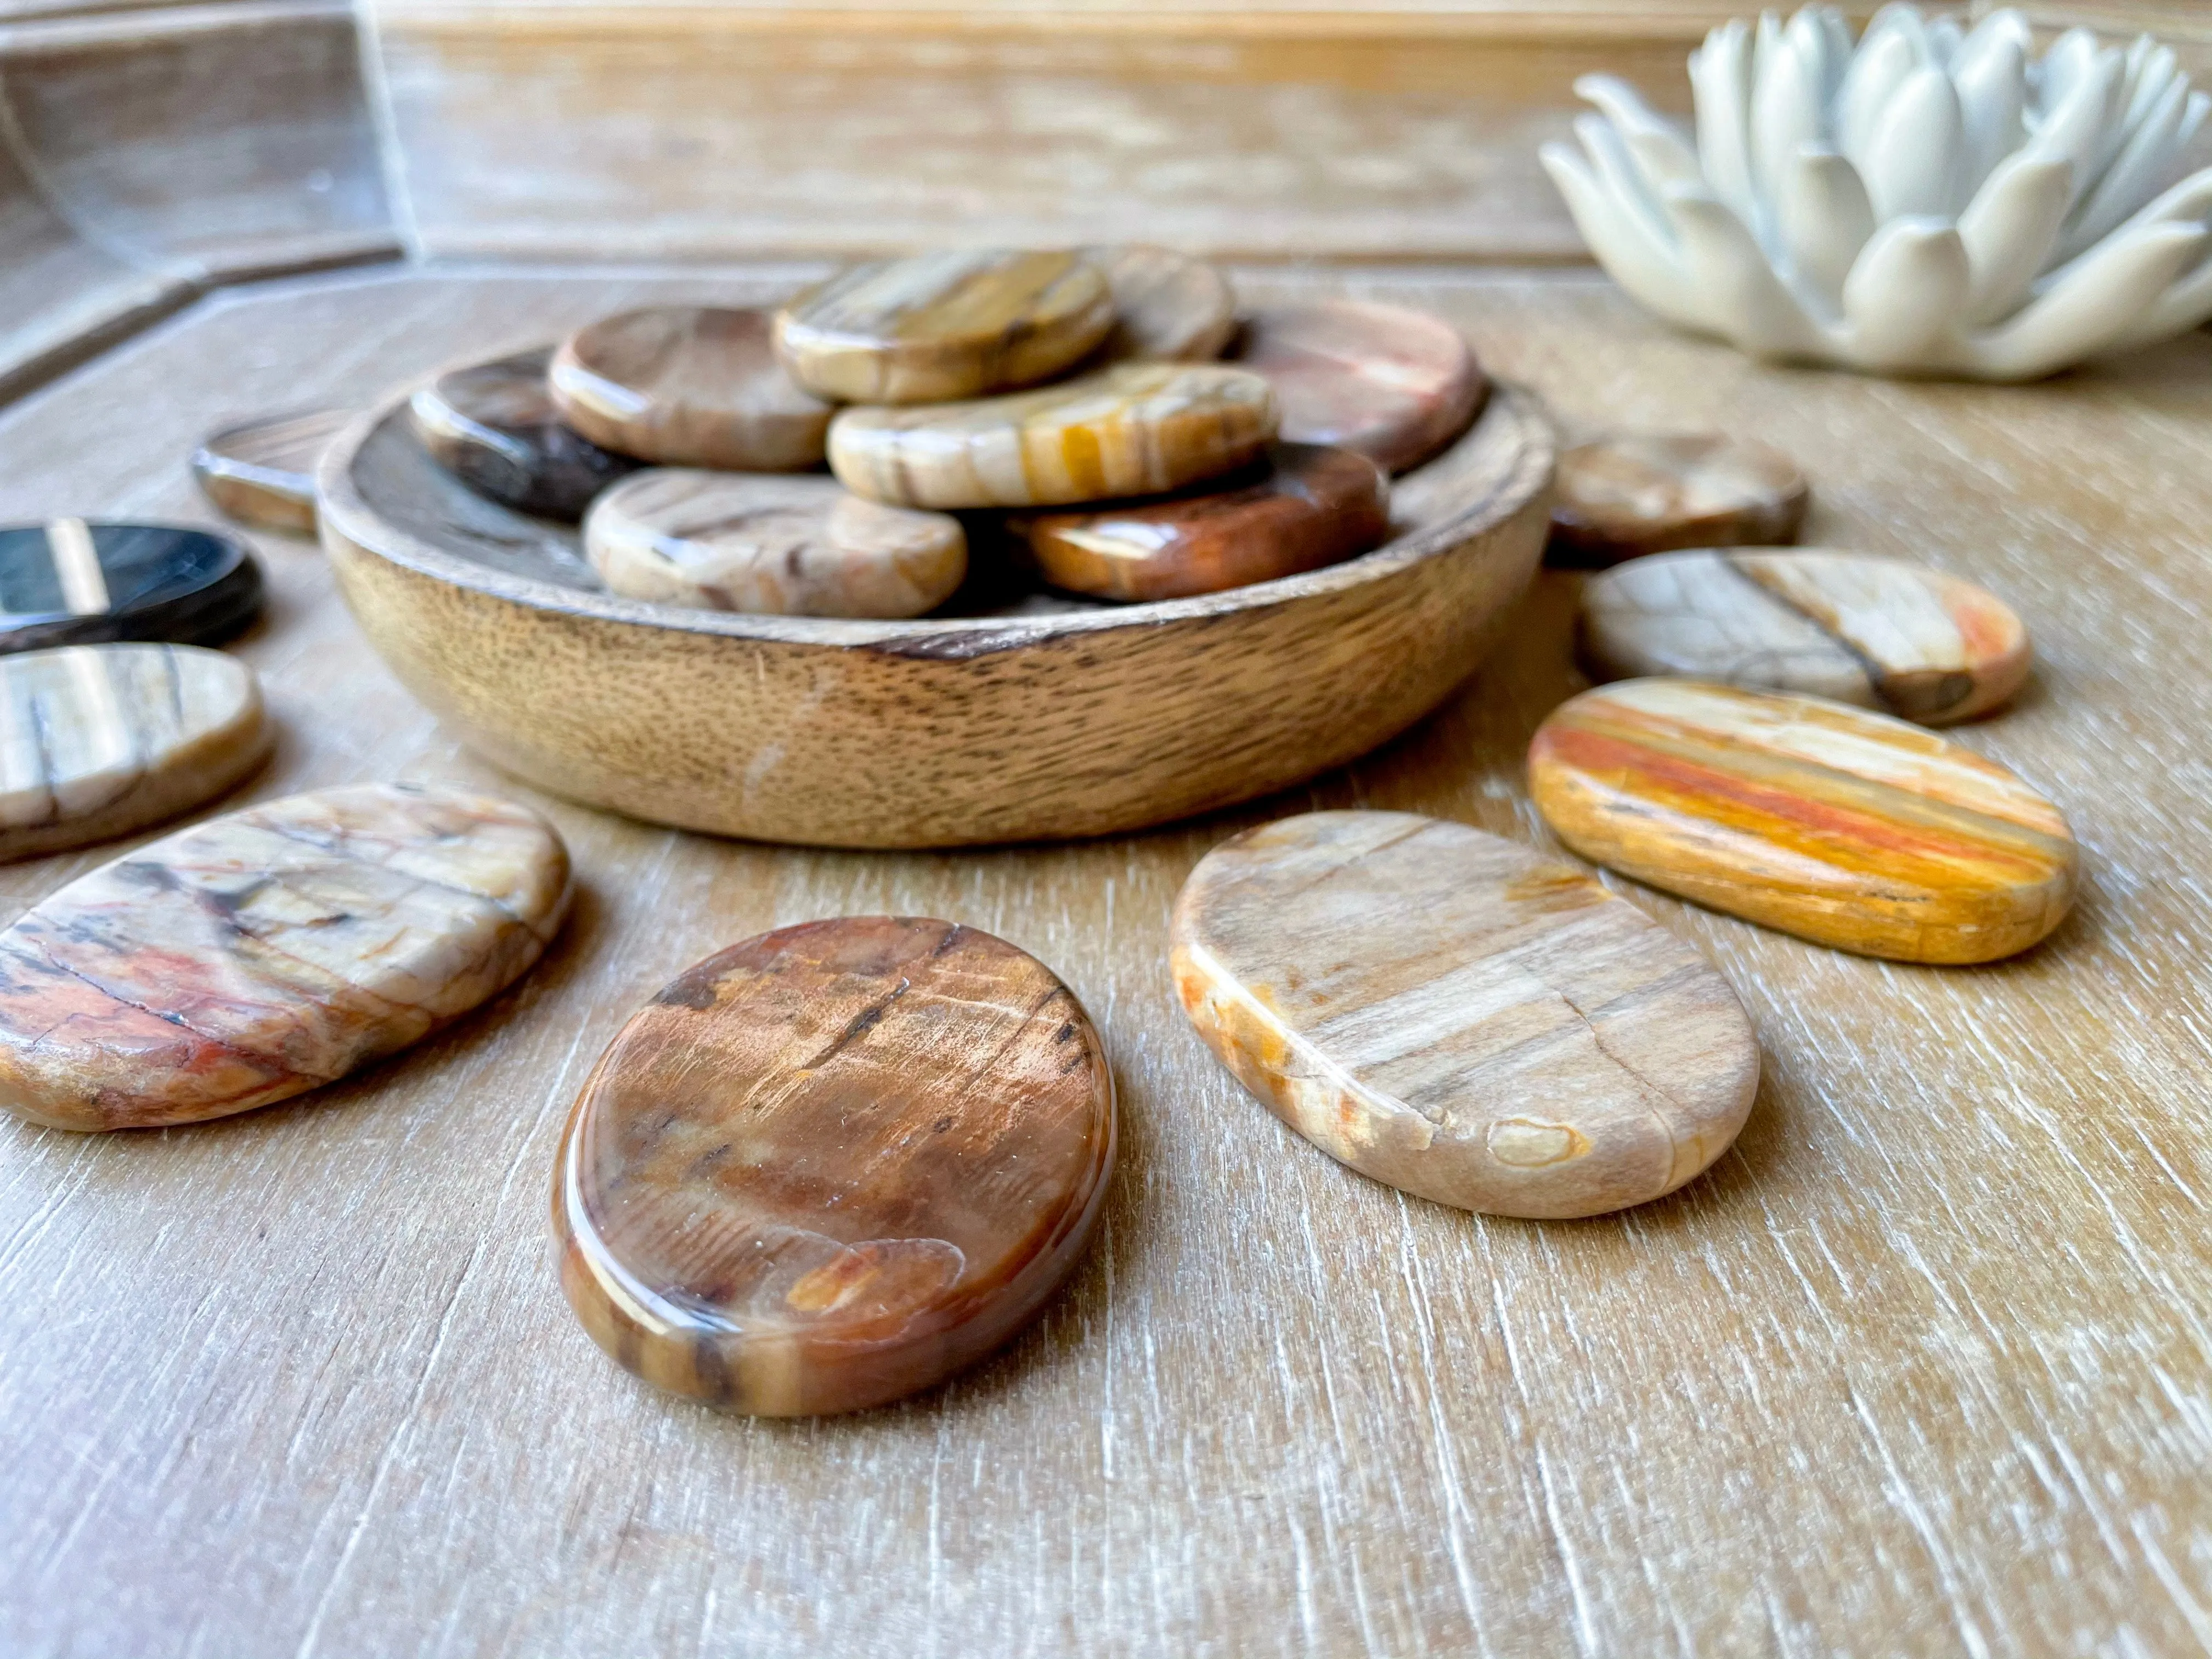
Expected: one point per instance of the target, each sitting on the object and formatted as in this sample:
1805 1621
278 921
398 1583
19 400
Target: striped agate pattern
1844 826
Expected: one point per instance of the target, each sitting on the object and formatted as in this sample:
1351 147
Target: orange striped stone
1843 827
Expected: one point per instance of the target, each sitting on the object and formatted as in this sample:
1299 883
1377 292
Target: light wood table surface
1923 1367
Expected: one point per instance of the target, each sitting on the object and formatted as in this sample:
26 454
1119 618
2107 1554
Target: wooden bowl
1054 719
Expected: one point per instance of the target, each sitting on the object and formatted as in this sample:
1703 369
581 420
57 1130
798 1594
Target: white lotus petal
2072 55
2145 163
1765 37
1914 159
1720 78
1810 40
2094 308
1840 49
1943 38
2186 303
2151 69
2188 202
1991 77
1904 293
1785 114
1621 179
2008 229
1737 289
2073 131
1660 150
1868 85
2005 32
2192 116
1652 274
1825 219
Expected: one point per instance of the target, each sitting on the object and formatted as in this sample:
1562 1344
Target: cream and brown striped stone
264 472
1881 633
791 546
1136 429
955 324
257 956
687 385
1459 1017
1168 307
1395 386
99 740
1629 494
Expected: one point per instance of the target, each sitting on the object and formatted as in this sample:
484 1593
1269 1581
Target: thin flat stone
775 545
1459 1016
255 957
1397 386
264 472
99 740
1137 429
687 385
834 1164
1879 632
1314 506
1846 828
1633 493
70 582
495 426
1168 307
949 324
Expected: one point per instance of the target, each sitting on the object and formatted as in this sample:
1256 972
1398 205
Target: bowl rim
1513 421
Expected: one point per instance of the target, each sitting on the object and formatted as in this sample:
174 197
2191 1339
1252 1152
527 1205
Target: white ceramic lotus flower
1936 202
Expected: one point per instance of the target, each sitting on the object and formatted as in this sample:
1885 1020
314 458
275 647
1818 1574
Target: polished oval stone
954 323
68 582
777 545
1396 386
1879 632
99 740
1452 1013
1843 827
254 957
833 1164
1314 506
1137 429
494 426
264 472
687 385
1634 493
1168 306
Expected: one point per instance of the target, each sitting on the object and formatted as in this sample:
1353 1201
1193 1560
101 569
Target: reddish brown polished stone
833 1164
1315 507
1396 386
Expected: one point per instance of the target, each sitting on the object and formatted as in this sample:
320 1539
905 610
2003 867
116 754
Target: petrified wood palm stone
1633 493
1846 828
68 582
768 544
1168 306
1314 506
1135 430
254 957
833 1165
264 472
1879 632
687 385
1396 386
955 324
99 740
1451 1014
496 428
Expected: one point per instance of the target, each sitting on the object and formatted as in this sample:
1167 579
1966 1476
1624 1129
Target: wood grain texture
1919 1366
834 1164
1459 1016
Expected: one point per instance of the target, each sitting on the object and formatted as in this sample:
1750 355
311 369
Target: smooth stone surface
1454 1014
1396 386
254 957
1633 493
834 1164
99 740
1137 429
775 546
264 472
1168 306
954 323
687 385
1879 632
1843 827
1315 507
495 428
69 582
